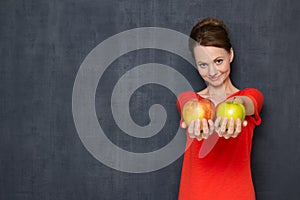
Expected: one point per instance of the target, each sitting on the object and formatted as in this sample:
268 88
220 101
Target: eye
219 61
202 65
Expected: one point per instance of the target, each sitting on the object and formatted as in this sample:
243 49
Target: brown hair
210 32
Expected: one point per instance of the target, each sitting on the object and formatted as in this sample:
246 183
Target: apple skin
233 110
198 109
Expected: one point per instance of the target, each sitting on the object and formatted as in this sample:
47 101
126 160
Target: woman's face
213 64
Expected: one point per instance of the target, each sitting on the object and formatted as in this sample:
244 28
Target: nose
212 70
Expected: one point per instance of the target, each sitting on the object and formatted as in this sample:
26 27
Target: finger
211 126
238 128
231 126
230 130
217 125
223 126
183 125
245 123
205 129
217 122
191 129
197 127
199 138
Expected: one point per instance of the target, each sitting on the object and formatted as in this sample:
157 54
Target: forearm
247 102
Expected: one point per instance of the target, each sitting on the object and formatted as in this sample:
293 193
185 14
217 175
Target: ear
231 54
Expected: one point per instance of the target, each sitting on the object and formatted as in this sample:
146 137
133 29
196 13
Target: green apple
231 109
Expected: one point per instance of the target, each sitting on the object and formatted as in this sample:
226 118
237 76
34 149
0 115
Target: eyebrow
222 57
219 57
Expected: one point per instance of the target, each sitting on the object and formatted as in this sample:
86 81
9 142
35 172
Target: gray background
43 43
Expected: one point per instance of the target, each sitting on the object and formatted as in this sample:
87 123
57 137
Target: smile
214 78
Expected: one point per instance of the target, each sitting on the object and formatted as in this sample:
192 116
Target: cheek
224 68
201 71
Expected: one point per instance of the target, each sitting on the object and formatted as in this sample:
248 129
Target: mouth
214 78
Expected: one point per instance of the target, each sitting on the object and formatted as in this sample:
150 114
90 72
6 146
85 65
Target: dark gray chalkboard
43 44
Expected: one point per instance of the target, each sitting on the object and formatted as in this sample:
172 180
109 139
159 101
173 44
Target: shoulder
184 97
187 95
250 90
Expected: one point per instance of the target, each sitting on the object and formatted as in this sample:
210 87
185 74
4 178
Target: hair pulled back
210 32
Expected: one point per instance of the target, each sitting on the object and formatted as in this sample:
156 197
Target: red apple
231 109
198 109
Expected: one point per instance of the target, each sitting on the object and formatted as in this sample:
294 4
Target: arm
252 99
193 130
246 101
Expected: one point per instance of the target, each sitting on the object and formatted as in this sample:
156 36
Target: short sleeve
183 98
257 98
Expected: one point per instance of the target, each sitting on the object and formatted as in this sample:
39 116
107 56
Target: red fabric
225 172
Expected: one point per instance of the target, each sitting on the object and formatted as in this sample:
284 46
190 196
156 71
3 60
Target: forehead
209 53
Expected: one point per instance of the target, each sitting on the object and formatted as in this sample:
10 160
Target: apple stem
233 99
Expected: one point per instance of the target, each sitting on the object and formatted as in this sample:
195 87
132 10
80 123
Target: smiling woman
225 172
213 64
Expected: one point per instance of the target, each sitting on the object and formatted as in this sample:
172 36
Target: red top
224 173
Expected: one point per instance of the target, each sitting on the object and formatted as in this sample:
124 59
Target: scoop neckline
226 97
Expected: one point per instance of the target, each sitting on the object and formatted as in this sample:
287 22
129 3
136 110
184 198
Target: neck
220 93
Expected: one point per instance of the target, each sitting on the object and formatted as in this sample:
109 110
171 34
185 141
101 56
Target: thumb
245 123
183 125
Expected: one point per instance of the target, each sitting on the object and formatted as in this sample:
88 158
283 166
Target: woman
224 173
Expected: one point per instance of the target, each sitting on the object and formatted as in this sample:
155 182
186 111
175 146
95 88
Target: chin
214 83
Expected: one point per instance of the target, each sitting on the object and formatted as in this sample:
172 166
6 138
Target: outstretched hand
204 129
199 130
228 128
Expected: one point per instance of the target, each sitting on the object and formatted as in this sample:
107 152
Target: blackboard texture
44 43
